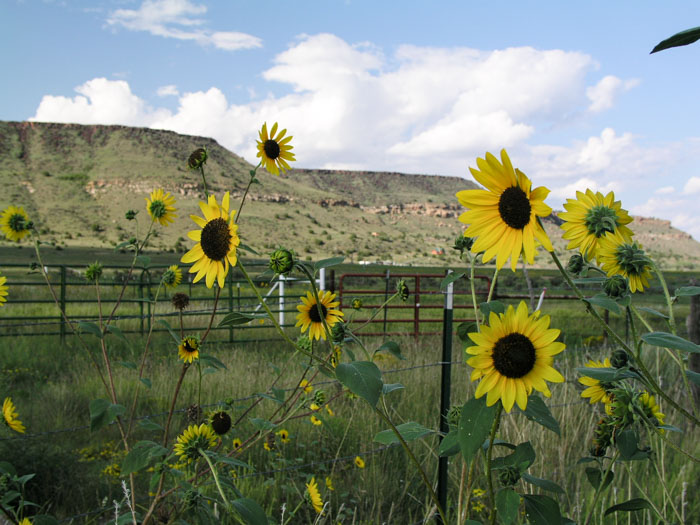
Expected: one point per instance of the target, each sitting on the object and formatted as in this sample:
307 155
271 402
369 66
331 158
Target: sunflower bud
615 286
197 159
282 261
130 215
221 422
180 301
508 476
304 343
454 415
339 332
402 289
575 264
619 358
319 397
463 243
356 304
93 272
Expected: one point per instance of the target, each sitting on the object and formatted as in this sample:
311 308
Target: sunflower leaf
541 510
393 348
607 375
666 340
492 306
211 361
116 331
245 247
362 378
452 277
521 458
594 476
170 330
693 376
87 326
685 291
250 511
605 302
102 413
409 432
679 39
142 260
327 263
626 442
633 504
537 411
463 331
449 446
474 426
140 456
507 503
653 312
544 484
236 318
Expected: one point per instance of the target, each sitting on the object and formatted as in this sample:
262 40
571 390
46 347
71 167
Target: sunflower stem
204 180
598 489
640 489
376 312
472 261
489 452
669 300
492 288
215 475
245 193
415 461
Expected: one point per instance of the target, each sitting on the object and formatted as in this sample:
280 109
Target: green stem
669 301
493 285
245 193
216 479
415 461
472 260
204 180
489 477
598 489
663 485
640 489
376 312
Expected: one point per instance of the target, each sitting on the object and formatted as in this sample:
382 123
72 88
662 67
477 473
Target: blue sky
569 88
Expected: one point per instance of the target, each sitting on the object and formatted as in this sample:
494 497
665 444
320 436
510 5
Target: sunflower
25 521
3 289
314 495
589 217
188 350
216 242
596 390
236 444
15 223
309 316
11 417
172 277
503 217
284 436
274 151
220 422
308 388
192 440
160 207
651 409
316 421
513 356
359 462
329 483
620 257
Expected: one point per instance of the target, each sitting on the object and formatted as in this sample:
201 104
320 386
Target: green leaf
102 413
127 364
507 503
44 519
537 411
362 378
123 244
474 426
522 457
589 280
268 396
250 511
463 331
685 291
87 326
279 394
172 332
327 263
211 361
693 376
237 318
492 306
116 331
243 246
146 382
633 504
409 432
667 340
449 446
149 424
653 312
594 476
143 261
541 510
262 424
220 458
388 388
607 375
679 39
605 302
449 279
544 484
141 456
393 348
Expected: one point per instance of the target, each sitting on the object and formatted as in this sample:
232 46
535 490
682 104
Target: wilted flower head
197 158
402 289
221 422
619 358
180 300
575 264
130 215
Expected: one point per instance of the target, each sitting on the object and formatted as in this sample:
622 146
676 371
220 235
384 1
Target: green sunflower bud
619 358
197 159
319 397
454 415
463 244
356 304
339 332
130 215
282 261
304 343
615 286
93 272
402 289
508 476
575 264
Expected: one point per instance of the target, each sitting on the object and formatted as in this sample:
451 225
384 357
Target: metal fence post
63 305
445 380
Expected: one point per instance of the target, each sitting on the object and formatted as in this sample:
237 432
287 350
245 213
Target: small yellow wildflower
359 462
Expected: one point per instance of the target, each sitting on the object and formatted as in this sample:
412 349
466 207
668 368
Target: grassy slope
77 182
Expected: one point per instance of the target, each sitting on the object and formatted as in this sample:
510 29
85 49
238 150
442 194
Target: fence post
63 305
322 279
386 298
281 300
445 380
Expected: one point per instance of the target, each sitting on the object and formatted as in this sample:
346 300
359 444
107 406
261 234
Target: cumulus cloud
673 209
568 191
179 19
665 190
604 93
168 91
692 186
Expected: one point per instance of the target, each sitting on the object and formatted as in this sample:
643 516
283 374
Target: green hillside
77 181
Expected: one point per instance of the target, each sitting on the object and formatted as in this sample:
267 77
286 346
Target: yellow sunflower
309 316
589 217
359 462
308 388
329 483
596 390
192 440
3 289
284 436
160 207
274 151
503 217
172 277
216 242
236 444
620 257
15 223
188 350
513 356
316 421
651 409
11 417
314 495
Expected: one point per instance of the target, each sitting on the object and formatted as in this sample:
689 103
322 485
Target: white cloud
675 210
179 19
168 91
692 186
568 191
665 190
604 93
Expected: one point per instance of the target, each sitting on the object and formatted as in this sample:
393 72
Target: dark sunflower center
272 149
514 208
313 313
600 220
216 239
631 259
189 347
17 222
514 355
157 209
